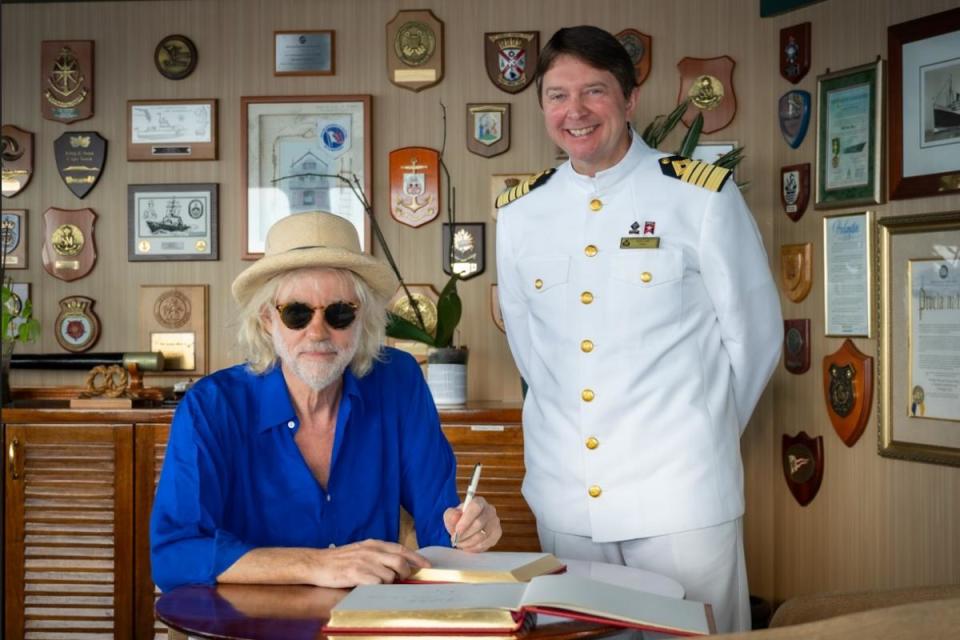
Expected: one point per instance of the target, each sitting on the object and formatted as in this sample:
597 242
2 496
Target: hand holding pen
475 525
471 491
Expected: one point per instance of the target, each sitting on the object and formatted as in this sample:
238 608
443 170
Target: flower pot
447 375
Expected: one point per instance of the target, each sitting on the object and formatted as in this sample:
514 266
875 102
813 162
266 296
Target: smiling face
586 114
317 354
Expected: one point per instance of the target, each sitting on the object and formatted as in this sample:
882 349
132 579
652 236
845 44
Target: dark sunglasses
297 315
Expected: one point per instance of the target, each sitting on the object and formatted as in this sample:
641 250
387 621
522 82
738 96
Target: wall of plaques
162 62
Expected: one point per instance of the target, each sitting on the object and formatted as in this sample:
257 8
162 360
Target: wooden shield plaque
796 270
796 345
17 159
414 185
495 311
802 465
708 84
80 158
66 77
848 390
488 128
69 250
795 189
640 48
13 238
511 58
466 256
78 327
795 52
425 297
415 49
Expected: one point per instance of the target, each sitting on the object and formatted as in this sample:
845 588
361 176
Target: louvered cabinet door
500 449
150 447
68 537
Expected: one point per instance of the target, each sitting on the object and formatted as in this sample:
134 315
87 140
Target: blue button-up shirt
233 478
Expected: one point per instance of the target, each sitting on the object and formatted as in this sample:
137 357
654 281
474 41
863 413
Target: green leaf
449 311
730 159
692 137
402 329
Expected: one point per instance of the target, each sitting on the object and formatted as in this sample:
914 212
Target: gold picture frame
919 267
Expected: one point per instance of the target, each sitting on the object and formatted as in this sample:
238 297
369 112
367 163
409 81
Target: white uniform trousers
708 562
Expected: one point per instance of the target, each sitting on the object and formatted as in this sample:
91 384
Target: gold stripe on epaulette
522 189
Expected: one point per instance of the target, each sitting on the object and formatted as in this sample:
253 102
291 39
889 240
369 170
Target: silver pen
471 491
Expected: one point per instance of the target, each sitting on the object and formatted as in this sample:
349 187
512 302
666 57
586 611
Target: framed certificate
304 153
172 129
849 137
920 338
924 108
172 222
847 285
303 53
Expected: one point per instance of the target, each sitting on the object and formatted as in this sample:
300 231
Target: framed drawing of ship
172 129
172 222
924 106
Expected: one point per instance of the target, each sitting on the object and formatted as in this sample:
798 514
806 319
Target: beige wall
875 522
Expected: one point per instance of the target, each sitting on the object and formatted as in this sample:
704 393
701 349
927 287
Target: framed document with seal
172 222
847 285
302 153
304 53
172 129
173 321
919 329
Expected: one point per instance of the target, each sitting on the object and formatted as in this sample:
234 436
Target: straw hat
313 239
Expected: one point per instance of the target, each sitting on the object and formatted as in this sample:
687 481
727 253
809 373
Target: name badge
650 242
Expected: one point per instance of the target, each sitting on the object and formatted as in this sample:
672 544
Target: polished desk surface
297 612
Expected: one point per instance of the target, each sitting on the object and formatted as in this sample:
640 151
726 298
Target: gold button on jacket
646 276
596 204
586 297
590 250
538 283
586 346
594 491
592 443
587 395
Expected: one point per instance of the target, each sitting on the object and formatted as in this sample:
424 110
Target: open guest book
505 608
453 565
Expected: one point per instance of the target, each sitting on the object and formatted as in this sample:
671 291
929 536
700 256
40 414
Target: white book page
614 602
449 558
432 597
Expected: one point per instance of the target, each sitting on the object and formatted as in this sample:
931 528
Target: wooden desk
267 612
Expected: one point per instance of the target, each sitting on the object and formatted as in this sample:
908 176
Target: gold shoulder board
525 187
703 174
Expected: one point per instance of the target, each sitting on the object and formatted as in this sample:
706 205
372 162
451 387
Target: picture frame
171 130
173 222
924 157
848 275
173 319
304 53
850 137
294 147
919 266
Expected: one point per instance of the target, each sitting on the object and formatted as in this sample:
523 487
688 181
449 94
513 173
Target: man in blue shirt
293 467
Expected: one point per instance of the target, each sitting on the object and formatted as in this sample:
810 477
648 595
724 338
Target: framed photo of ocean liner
924 57
172 222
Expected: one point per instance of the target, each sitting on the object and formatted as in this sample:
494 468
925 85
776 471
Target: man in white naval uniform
640 310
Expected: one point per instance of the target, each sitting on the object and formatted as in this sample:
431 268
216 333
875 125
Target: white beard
316 375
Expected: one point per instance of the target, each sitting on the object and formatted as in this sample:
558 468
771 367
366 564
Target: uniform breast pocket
647 285
543 282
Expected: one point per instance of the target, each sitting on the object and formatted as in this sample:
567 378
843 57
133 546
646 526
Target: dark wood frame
185 41
246 101
898 35
213 252
142 151
332 53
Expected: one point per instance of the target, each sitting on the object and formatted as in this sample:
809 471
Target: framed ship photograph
850 137
919 409
924 59
171 130
172 222
303 153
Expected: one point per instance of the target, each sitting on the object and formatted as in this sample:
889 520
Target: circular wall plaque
175 57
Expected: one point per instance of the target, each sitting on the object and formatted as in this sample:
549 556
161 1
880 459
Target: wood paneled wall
875 522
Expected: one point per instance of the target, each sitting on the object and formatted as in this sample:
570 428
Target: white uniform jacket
643 364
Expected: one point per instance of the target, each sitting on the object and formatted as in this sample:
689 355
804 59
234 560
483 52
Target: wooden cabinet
79 486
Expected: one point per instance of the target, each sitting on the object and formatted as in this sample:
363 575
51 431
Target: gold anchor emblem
414 185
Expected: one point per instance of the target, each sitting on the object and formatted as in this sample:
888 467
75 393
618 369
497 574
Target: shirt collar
603 180
276 407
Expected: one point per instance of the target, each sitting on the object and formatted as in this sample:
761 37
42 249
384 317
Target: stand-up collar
607 178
